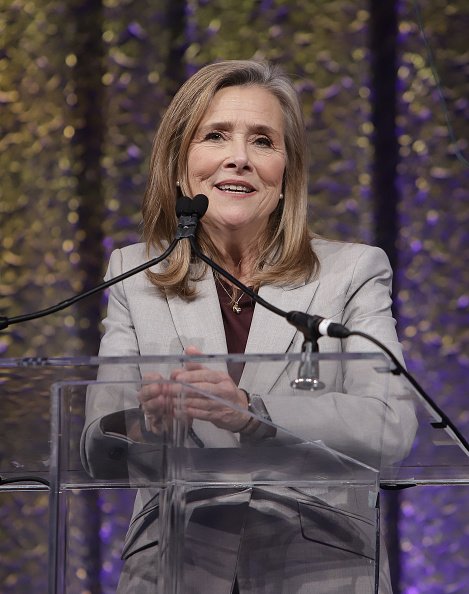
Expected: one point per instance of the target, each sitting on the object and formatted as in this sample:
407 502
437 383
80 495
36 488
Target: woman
235 133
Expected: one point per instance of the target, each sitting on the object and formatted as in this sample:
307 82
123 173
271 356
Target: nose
238 156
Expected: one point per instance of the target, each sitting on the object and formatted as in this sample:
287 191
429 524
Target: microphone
196 206
316 326
189 211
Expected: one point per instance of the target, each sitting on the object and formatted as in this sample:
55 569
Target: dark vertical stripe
383 49
383 41
88 140
175 21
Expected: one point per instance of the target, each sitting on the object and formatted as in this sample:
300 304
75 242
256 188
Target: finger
155 391
192 350
196 413
159 410
176 373
149 391
153 376
151 386
200 375
195 400
190 365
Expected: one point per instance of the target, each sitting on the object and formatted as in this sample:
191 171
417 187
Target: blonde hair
285 255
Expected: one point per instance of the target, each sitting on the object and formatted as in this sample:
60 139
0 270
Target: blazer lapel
272 334
199 322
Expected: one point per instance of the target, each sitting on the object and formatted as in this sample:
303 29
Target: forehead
250 104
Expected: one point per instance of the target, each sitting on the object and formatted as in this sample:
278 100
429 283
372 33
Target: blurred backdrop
384 88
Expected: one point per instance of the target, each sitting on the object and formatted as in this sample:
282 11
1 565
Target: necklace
234 302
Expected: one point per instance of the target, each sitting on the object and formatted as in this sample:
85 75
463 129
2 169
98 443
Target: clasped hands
159 400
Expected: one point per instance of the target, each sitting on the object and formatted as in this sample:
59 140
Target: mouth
235 188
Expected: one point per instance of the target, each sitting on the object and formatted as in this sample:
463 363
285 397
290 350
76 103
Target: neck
238 248
237 260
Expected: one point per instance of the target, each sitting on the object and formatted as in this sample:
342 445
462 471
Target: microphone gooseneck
188 211
5 322
313 327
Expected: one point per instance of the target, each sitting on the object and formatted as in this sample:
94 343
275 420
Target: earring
177 183
280 197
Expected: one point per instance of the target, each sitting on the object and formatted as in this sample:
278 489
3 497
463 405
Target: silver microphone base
307 384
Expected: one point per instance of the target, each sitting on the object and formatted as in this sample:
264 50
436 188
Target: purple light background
84 85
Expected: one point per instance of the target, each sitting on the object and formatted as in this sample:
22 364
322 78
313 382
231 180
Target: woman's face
237 159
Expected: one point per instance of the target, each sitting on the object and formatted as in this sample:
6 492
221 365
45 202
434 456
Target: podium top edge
93 361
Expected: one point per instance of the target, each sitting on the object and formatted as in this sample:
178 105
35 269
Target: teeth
234 188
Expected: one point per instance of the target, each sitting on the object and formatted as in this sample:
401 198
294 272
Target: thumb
192 350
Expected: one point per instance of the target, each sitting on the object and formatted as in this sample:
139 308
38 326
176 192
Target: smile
237 188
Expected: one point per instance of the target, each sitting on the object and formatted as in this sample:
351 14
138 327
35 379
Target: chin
231 224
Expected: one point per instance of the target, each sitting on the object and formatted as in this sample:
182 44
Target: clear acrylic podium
295 505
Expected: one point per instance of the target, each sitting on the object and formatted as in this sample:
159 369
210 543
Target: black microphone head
191 206
183 206
200 205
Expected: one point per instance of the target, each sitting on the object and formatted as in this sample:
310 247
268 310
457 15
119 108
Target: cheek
193 168
200 164
273 173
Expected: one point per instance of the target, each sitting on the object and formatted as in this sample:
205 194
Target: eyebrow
256 128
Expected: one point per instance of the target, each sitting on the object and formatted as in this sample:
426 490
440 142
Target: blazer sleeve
111 403
365 415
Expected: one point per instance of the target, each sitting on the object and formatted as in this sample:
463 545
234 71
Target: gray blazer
353 288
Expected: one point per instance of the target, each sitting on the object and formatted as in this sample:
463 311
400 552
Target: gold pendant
236 308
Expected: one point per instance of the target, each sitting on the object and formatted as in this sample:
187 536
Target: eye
263 141
213 136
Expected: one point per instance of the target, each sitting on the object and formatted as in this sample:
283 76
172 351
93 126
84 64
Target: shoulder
130 256
134 254
327 248
347 255
124 259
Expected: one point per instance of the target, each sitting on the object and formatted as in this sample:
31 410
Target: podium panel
280 512
292 508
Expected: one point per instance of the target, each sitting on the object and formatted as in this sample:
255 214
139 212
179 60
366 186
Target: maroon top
236 324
